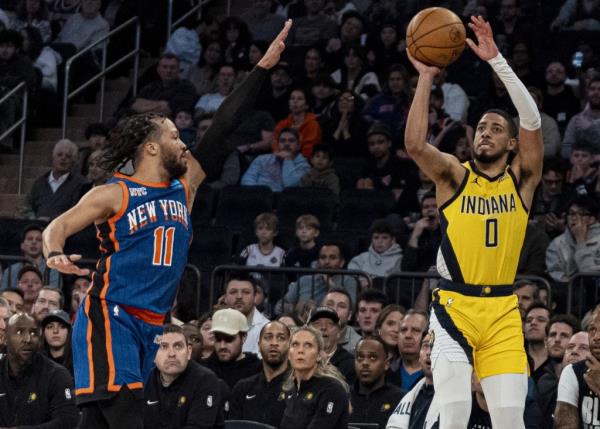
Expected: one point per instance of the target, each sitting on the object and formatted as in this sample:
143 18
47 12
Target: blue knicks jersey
144 246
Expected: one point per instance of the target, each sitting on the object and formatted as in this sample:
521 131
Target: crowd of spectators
341 92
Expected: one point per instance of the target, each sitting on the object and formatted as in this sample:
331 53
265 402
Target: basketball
435 36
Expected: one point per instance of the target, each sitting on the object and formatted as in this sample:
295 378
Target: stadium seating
297 201
238 206
360 207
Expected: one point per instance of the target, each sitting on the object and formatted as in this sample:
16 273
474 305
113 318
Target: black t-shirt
234 371
299 257
375 407
42 395
344 362
256 399
480 419
319 403
193 399
561 107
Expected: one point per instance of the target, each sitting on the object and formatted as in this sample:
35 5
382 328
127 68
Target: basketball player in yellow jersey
483 206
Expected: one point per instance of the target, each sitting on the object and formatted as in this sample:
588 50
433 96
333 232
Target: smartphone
577 59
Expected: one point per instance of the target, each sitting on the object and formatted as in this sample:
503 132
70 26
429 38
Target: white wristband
529 115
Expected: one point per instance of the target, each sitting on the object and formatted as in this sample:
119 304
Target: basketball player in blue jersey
483 207
144 226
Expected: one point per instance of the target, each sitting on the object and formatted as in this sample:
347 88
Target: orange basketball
435 36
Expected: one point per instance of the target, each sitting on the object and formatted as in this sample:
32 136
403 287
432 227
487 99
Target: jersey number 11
163 246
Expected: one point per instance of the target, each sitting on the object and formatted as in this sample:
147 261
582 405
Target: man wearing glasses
577 250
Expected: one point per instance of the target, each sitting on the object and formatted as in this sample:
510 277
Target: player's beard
487 158
174 165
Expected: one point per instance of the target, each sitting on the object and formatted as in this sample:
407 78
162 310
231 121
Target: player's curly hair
125 139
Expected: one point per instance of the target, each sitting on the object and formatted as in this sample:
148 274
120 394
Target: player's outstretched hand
64 264
422 68
271 57
486 49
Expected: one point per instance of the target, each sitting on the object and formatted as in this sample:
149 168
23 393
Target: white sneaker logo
151 402
250 397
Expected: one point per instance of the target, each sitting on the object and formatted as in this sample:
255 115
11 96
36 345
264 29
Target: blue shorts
111 349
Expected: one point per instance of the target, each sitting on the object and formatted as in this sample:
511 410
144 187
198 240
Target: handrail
570 288
14 259
172 25
22 122
281 270
426 275
135 53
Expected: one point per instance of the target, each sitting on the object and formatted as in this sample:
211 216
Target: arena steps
30 172
38 148
34 157
10 185
11 204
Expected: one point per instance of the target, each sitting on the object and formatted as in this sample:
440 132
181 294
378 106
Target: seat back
297 201
246 424
238 206
360 207
204 205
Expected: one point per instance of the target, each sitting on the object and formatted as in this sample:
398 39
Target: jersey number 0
491 232
163 246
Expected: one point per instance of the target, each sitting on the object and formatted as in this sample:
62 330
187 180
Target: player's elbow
414 147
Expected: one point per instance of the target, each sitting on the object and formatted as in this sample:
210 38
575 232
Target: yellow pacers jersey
483 228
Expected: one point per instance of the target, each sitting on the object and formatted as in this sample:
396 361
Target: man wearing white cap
230 328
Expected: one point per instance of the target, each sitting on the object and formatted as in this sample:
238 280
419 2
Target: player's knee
455 415
507 417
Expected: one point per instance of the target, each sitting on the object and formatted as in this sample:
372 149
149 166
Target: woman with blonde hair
316 393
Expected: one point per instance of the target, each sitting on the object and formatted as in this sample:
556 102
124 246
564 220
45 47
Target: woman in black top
56 343
316 393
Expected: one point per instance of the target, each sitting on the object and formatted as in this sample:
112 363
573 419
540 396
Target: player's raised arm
97 205
528 162
211 152
444 169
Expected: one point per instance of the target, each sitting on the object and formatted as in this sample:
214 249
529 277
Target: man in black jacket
34 391
180 393
373 399
259 398
326 320
228 361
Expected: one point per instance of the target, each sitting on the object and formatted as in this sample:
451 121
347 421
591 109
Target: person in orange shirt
302 120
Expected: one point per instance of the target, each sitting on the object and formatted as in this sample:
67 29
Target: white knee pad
505 396
452 383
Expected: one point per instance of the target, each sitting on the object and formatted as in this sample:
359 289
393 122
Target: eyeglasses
349 98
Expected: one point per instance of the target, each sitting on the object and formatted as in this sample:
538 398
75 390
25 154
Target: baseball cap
324 312
229 322
57 316
380 128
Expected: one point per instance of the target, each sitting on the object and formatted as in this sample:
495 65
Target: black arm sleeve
211 151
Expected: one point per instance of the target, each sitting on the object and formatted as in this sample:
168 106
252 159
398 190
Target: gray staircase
38 150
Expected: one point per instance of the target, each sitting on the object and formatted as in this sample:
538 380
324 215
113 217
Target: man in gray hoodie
384 255
578 248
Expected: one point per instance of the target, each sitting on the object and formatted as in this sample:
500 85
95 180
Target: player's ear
513 144
152 147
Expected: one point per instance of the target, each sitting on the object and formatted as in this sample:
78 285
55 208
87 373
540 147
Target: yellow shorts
483 331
